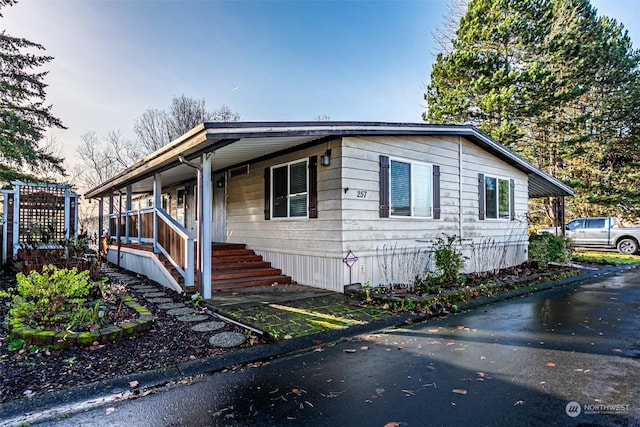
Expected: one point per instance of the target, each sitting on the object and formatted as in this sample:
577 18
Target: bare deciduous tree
446 31
155 128
102 158
151 130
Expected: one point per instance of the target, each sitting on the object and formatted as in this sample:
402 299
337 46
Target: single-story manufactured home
323 204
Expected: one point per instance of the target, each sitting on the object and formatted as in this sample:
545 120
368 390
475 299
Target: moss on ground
305 317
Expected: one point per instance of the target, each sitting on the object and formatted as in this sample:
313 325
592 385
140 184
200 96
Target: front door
219 211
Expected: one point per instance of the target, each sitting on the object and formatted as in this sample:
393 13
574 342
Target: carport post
157 202
207 197
127 208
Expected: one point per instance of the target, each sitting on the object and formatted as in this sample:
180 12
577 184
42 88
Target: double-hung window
497 197
289 190
411 189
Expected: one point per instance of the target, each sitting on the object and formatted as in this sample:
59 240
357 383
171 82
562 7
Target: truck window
575 224
596 223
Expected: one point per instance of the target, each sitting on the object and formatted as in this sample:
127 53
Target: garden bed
136 320
444 299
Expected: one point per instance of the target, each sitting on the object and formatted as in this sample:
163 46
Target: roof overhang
237 143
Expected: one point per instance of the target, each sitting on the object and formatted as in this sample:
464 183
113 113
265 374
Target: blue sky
267 60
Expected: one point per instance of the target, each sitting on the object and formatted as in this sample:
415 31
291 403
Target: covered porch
165 216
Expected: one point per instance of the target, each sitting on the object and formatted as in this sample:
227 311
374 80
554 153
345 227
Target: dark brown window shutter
481 196
267 193
512 199
313 187
436 192
384 187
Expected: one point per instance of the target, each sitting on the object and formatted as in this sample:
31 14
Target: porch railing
174 241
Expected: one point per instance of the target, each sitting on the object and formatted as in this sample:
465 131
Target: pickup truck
602 232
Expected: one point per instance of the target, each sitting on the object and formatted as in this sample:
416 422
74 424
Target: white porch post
205 221
67 214
109 217
127 238
157 202
100 220
16 219
5 224
76 217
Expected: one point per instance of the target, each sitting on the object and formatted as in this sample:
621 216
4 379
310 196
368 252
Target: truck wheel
628 246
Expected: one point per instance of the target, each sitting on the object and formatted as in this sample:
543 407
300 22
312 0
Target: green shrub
449 259
545 248
53 299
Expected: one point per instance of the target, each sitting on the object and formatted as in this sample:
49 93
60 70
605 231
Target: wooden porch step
235 258
227 246
227 266
222 285
231 252
243 274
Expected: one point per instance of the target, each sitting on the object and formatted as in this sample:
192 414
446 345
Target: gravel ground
37 371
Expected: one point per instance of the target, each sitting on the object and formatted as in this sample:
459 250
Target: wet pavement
569 356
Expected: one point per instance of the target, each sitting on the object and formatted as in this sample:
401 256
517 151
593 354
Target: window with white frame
411 189
289 190
497 198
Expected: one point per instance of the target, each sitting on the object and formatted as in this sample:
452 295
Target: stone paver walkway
181 312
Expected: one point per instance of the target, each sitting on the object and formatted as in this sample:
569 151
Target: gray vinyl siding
302 236
312 250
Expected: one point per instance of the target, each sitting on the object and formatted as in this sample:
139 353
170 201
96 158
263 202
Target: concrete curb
107 389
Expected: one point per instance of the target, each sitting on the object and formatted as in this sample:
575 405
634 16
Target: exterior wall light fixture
325 159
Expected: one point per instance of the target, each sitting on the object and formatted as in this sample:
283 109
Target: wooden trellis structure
37 215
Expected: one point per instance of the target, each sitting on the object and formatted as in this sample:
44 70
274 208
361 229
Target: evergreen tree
555 83
24 117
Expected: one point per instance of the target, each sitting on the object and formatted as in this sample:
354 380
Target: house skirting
390 264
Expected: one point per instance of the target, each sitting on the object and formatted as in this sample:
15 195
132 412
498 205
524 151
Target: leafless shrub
400 266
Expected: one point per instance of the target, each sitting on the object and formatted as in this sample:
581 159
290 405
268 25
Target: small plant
196 299
15 345
367 291
70 361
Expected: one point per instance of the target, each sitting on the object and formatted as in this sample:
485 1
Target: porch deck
233 268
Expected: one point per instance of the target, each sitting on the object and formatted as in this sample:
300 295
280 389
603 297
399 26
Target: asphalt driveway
569 356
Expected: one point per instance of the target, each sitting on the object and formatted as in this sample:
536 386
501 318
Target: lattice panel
41 214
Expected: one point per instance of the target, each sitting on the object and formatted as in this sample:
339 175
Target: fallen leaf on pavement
400 347
393 424
133 384
350 350
432 330
459 391
617 350
551 365
364 348
296 391
481 374
379 391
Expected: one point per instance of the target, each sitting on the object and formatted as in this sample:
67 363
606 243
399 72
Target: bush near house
546 248
54 299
